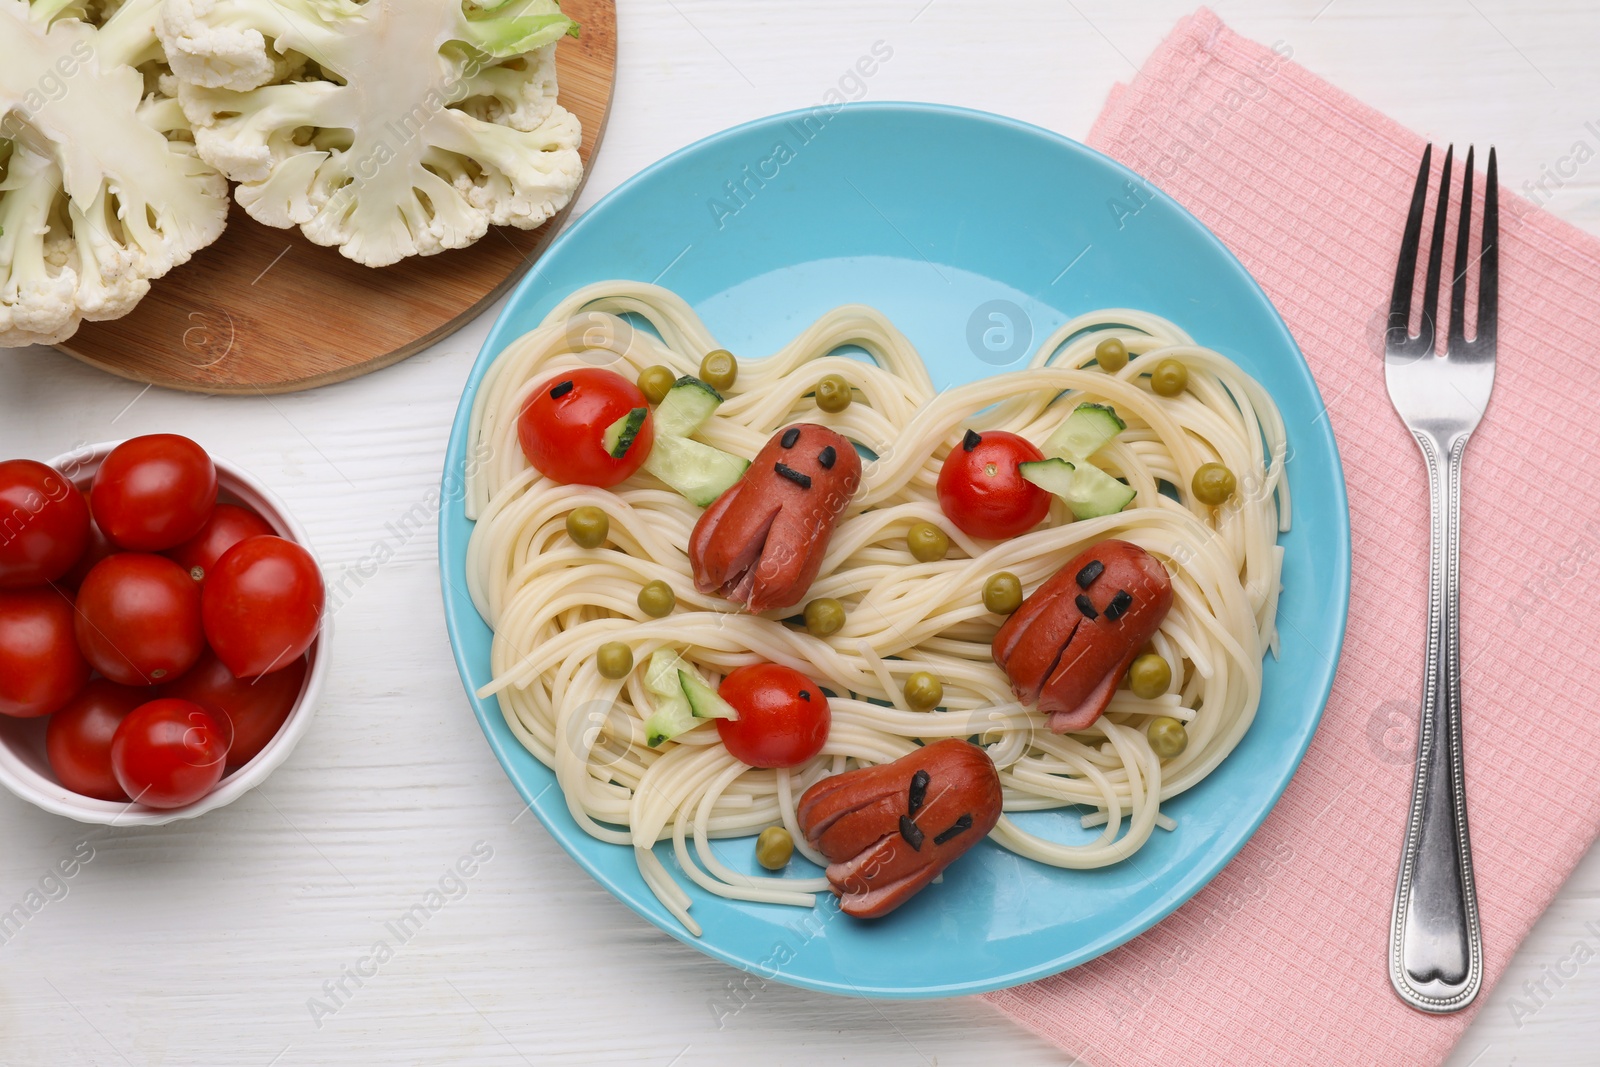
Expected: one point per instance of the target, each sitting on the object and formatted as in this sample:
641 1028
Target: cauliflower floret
99 191
386 128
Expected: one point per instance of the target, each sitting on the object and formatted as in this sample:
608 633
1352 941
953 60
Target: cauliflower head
386 128
101 189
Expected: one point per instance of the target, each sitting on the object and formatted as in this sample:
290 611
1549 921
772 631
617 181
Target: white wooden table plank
214 941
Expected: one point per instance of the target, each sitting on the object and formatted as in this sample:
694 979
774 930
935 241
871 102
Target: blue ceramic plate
977 235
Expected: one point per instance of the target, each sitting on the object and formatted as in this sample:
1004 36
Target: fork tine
1458 277
1405 271
1430 295
1489 269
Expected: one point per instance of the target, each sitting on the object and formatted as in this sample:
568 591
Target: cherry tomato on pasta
255 707
78 739
168 753
40 665
981 490
228 525
45 524
154 492
563 424
262 605
783 716
138 619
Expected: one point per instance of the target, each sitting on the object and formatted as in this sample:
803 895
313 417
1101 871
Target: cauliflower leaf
100 190
386 128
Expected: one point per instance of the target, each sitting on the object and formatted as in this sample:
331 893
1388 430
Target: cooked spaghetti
552 604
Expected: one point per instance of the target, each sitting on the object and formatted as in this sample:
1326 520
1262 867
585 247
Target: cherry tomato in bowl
228 525
138 618
46 524
168 753
154 492
563 423
981 490
256 708
40 665
99 548
78 738
262 605
783 716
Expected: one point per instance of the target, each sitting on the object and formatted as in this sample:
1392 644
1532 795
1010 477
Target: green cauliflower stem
387 128
100 188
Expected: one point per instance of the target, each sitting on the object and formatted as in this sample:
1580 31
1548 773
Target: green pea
833 393
1111 354
614 659
927 543
1169 378
719 369
1149 676
1002 593
655 381
588 526
656 599
774 847
1213 484
1167 736
923 692
824 616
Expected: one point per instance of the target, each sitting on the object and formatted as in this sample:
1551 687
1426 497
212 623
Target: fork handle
1435 943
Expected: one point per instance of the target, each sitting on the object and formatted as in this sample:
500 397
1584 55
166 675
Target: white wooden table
209 942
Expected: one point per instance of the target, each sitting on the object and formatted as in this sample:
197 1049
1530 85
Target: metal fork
1435 944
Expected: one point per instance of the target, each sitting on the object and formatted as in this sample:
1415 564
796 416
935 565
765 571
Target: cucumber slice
703 699
673 714
1089 491
1096 493
1051 475
686 407
1087 430
697 470
619 436
682 699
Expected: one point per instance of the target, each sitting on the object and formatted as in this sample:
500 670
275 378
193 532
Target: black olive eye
1119 605
561 389
805 694
911 832
790 436
960 826
826 458
919 790
1090 572
1086 606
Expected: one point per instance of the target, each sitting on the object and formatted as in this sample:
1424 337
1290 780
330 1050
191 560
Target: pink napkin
1281 960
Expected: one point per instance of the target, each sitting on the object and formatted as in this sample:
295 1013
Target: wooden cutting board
264 310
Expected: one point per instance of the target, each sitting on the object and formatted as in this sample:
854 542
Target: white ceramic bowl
25 770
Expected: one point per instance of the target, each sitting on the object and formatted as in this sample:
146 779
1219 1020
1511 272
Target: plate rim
1192 880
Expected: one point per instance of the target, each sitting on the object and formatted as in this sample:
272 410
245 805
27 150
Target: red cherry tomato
99 548
262 605
78 739
228 525
783 716
981 490
40 665
138 619
256 707
154 492
44 525
563 421
168 753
